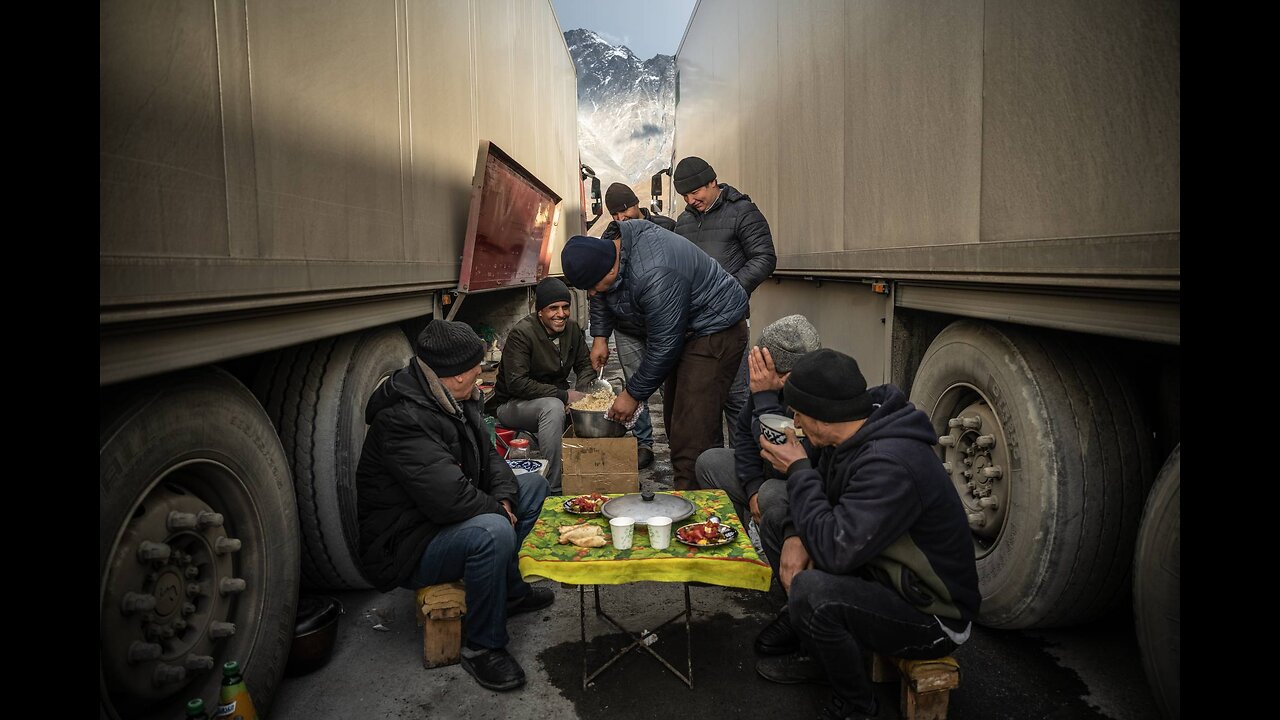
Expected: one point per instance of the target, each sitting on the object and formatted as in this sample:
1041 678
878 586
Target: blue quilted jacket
667 291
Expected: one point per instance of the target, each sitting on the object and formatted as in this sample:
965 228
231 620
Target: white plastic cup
659 532
623 531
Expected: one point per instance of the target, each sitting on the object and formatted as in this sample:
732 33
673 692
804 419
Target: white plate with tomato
585 504
706 534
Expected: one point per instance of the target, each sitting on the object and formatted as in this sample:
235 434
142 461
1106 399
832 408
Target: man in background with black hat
436 503
693 316
877 554
739 471
731 229
532 392
623 204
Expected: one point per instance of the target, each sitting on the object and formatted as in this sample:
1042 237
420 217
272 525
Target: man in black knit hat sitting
875 551
437 504
623 204
532 392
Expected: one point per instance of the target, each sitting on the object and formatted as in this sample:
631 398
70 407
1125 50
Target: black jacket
661 220
668 289
532 367
427 463
735 233
880 505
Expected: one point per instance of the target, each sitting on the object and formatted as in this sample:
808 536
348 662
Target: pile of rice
598 401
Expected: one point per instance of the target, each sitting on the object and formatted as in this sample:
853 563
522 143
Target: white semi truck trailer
979 200
289 191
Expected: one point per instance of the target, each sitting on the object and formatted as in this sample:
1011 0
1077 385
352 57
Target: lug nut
209 519
946 441
191 572
977 521
989 503
178 625
221 629
224 545
137 602
188 609
993 472
168 675
971 423
985 441
946 466
955 422
193 589
196 663
231 585
142 652
181 521
149 551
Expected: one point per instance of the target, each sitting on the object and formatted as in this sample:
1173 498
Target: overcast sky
647 27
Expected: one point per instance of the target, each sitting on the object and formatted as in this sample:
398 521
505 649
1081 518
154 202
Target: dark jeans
481 551
839 616
630 353
694 394
737 395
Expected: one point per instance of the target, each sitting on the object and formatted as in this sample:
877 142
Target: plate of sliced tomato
585 504
706 534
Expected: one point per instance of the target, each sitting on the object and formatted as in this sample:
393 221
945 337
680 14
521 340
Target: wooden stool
440 611
926 684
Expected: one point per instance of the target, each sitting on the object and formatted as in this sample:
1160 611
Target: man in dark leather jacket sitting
437 504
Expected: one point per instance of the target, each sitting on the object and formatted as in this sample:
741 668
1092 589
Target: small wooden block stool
440 611
926 684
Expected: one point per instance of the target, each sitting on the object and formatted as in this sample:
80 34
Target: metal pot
314 634
593 424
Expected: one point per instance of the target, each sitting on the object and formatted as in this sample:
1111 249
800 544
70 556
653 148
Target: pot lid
637 506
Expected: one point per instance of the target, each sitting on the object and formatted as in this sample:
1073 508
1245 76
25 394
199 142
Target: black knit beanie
449 347
827 385
692 173
550 290
586 260
619 197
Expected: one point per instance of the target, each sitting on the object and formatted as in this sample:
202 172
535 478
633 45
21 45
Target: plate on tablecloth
727 535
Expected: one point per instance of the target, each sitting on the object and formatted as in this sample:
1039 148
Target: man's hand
624 406
761 372
794 558
599 352
754 504
781 456
506 505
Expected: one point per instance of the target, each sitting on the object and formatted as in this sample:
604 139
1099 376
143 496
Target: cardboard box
603 465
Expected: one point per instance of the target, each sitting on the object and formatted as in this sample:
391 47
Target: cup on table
623 530
659 532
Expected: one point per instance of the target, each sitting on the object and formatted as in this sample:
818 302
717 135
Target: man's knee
710 466
773 494
550 411
533 489
490 533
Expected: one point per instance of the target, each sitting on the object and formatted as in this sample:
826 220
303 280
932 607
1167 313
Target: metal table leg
638 639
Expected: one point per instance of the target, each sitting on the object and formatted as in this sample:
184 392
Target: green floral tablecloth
733 565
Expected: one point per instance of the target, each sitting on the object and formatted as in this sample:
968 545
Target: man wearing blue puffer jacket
692 313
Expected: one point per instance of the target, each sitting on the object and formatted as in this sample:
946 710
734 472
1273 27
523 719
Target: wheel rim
975 455
175 589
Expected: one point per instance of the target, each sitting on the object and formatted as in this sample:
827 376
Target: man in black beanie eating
693 316
436 503
532 392
875 552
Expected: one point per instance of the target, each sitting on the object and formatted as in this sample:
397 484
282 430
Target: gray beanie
787 339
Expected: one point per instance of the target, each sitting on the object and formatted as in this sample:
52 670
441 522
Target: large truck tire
1157 587
198 551
1049 452
316 394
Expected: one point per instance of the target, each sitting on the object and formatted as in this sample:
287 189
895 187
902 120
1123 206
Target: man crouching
437 504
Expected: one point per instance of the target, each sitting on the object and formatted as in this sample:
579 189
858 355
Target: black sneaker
644 456
792 669
838 709
778 637
536 599
494 669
